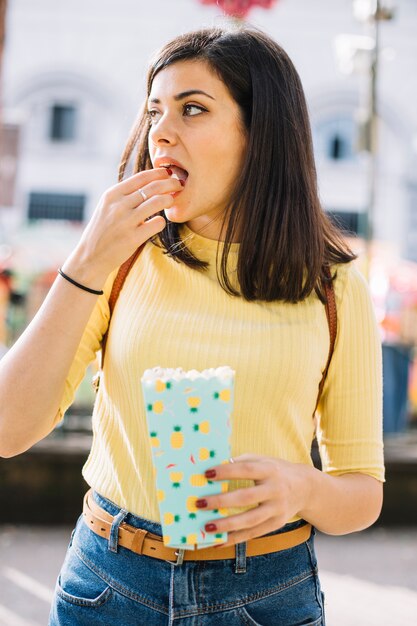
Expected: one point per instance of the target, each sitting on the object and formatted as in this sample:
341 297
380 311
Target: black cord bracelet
71 280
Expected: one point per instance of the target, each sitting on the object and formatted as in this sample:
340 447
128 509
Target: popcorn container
189 421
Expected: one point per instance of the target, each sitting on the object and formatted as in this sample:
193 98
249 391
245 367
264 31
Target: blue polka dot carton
189 420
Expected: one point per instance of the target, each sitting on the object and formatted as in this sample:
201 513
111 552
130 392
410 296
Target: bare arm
33 372
337 505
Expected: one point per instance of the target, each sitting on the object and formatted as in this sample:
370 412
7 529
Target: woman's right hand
121 222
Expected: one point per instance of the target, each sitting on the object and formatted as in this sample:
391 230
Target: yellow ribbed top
170 315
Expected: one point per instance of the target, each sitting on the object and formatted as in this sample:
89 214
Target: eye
151 115
186 108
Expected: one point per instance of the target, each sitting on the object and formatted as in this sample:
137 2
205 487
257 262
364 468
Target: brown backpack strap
331 314
116 289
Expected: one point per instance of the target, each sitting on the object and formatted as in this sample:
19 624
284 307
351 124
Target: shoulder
349 283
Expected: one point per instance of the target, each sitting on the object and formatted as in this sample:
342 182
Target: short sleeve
349 430
88 347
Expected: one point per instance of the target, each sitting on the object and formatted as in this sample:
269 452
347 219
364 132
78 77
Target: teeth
177 172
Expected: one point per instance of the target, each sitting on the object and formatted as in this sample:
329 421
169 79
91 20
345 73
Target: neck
210 229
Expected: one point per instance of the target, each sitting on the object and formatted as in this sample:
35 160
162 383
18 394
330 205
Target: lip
167 159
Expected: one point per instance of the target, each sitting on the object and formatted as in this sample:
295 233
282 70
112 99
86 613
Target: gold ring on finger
143 194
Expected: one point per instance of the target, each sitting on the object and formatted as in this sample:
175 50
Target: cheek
151 147
231 151
231 166
221 162
220 158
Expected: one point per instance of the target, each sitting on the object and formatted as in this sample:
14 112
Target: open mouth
177 172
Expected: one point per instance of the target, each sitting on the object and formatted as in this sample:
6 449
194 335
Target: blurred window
63 122
9 155
56 206
334 139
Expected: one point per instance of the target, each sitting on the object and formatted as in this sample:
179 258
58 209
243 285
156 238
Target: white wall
95 53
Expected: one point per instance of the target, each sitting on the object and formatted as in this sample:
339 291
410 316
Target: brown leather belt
141 541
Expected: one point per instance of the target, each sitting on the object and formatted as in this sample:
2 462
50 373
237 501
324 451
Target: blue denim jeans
101 583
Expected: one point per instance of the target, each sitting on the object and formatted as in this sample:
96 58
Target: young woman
237 254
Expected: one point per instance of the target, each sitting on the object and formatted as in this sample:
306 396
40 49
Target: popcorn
165 373
189 419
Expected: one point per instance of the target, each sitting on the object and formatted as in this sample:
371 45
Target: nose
163 132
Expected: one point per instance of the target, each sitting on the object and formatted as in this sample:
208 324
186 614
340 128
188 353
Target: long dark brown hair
287 242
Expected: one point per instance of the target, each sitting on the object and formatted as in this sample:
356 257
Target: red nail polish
210 528
201 504
168 171
210 473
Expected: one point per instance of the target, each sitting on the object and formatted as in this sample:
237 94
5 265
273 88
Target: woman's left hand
280 491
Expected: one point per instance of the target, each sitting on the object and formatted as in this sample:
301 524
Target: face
201 132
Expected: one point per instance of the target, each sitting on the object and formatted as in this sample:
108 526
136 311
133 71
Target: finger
151 207
258 469
240 521
160 187
239 497
135 182
150 228
248 457
258 530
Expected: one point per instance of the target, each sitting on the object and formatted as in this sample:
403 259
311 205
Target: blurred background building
73 80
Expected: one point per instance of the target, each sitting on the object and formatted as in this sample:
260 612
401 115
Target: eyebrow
184 94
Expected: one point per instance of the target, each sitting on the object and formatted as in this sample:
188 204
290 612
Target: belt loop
240 563
180 556
114 530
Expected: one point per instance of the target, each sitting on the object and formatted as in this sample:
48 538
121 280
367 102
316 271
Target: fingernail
210 528
210 473
182 182
168 171
201 504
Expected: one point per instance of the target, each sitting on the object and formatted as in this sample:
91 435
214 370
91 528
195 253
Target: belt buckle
180 556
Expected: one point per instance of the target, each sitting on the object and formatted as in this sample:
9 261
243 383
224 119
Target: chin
172 217
176 215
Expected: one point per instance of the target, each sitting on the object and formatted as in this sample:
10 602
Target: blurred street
370 578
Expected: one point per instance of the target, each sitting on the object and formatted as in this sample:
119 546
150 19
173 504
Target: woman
237 247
